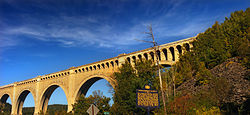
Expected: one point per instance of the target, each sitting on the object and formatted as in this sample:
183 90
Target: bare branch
144 41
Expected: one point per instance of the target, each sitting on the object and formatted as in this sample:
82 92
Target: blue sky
39 37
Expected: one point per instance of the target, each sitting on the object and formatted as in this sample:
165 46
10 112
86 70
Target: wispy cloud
73 31
42 55
98 30
6 42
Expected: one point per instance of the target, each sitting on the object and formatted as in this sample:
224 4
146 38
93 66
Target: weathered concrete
77 80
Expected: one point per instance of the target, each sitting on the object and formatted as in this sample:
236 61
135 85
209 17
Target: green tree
225 40
5 108
97 98
211 48
129 79
214 46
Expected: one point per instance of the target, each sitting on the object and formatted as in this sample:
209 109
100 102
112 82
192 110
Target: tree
225 40
97 98
129 79
211 48
214 46
5 108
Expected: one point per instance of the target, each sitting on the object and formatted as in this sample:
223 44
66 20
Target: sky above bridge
39 37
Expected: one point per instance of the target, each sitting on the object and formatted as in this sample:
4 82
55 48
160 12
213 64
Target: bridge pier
71 85
176 54
13 104
169 54
70 104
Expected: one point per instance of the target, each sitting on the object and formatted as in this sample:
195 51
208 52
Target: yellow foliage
211 111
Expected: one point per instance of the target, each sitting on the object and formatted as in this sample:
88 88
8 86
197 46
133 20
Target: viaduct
77 80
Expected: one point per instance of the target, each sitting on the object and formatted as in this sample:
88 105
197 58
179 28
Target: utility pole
156 48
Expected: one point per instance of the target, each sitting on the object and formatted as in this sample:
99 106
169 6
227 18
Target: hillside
214 76
235 74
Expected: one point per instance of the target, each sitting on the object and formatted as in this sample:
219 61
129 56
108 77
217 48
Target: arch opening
146 56
50 98
165 53
103 66
5 103
29 105
85 87
140 57
187 47
94 84
158 54
178 47
152 56
107 65
172 53
134 59
128 59
112 63
117 62
24 107
4 98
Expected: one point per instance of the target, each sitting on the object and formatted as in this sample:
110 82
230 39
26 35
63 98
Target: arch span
4 98
172 53
44 100
20 100
187 46
88 82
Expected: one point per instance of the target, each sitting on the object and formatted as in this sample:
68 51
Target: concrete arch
112 64
171 49
133 60
88 82
164 50
152 55
20 100
128 59
140 57
117 62
103 65
46 94
158 54
179 49
187 46
4 97
145 56
107 64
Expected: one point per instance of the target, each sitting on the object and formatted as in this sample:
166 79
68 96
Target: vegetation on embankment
214 76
